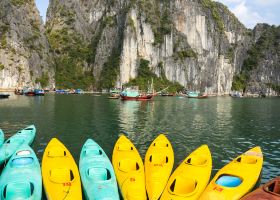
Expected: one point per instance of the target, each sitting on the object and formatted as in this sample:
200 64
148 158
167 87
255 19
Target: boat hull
24 136
159 162
140 98
237 178
60 173
129 170
269 191
191 177
4 96
97 173
21 178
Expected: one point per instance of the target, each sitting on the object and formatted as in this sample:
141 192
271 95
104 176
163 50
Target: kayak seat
21 162
92 151
18 190
182 186
61 175
125 147
160 144
158 159
247 159
228 181
127 165
99 174
56 152
196 160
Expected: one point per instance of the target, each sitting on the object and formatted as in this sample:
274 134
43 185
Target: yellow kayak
191 177
159 162
129 170
60 173
236 178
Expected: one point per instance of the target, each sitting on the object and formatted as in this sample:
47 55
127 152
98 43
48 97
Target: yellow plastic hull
159 162
191 177
60 173
129 170
247 167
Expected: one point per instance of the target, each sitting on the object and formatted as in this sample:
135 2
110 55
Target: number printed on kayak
67 184
218 189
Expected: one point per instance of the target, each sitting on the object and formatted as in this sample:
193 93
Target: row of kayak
22 176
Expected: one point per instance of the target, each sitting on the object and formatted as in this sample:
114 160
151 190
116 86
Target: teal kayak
1 137
24 136
97 173
21 178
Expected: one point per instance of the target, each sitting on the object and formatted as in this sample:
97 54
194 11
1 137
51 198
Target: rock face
261 69
99 44
25 55
197 43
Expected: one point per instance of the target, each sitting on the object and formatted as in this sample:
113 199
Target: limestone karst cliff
25 55
199 44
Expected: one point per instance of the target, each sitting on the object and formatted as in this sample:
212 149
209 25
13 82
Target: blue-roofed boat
39 92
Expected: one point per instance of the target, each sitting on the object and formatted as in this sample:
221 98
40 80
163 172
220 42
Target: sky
249 12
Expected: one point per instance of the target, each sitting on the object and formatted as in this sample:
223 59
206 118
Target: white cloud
246 15
267 2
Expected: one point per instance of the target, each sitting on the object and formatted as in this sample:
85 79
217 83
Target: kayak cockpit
18 190
228 181
61 175
127 165
99 174
158 159
183 186
22 162
93 151
197 161
273 187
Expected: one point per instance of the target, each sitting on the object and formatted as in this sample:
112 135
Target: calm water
229 126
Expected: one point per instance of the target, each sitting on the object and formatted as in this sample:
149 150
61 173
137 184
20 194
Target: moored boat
24 136
268 191
39 92
97 173
132 93
60 173
21 177
197 95
191 177
237 178
4 96
159 162
129 170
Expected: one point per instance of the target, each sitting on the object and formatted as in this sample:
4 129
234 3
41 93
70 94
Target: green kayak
97 173
21 178
24 136
1 137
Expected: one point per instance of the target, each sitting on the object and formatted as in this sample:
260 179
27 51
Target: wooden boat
18 92
269 191
159 162
191 177
4 96
237 178
196 95
203 96
30 93
132 93
39 92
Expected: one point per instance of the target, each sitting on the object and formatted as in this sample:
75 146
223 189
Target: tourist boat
198 95
18 92
39 92
269 191
132 93
4 96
